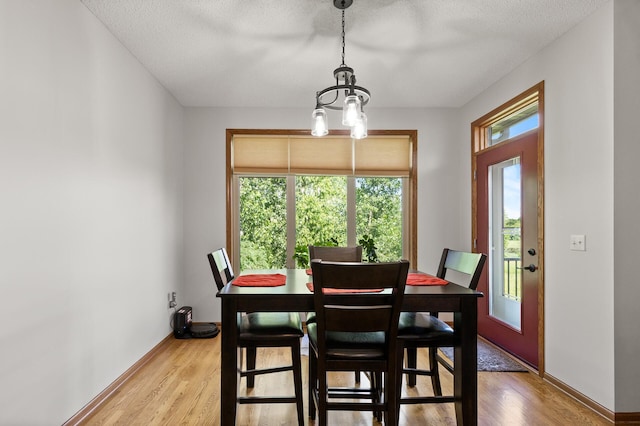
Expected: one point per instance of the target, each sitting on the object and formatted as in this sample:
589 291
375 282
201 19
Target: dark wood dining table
295 296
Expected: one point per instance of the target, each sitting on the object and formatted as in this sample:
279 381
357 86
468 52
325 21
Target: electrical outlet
172 299
578 243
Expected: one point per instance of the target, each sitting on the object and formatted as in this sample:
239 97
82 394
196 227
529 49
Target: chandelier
344 95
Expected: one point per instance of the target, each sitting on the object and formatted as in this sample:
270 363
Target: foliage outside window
263 222
321 218
379 215
321 211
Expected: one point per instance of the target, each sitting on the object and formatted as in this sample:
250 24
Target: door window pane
505 207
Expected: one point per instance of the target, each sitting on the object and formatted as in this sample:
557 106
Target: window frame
232 196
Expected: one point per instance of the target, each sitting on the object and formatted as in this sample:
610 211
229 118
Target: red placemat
424 279
344 290
260 280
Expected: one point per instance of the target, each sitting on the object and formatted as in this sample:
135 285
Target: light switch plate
578 243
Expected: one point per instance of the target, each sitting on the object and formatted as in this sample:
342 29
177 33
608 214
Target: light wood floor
181 386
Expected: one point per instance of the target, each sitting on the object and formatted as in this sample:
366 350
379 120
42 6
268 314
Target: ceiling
267 53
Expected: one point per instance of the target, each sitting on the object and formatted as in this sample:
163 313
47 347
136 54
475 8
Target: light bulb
359 129
319 123
350 110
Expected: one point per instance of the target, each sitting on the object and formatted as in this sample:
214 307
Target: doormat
491 359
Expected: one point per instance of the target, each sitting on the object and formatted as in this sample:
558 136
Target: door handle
531 268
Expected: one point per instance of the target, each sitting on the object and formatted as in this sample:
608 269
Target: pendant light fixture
344 95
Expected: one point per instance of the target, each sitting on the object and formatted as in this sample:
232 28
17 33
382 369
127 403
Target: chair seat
269 325
350 345
311 317
419 325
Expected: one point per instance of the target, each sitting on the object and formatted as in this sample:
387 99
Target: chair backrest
221 267
470 264
336 254
351 312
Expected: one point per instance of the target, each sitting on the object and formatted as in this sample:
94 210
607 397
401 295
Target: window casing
291 153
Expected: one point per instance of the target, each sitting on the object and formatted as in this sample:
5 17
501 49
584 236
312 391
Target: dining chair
263 330
334 254
426 330
355 329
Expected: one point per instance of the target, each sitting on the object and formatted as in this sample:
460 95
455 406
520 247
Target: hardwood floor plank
180 385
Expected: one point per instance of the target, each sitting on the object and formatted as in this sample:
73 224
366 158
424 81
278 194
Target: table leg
229 363
465 385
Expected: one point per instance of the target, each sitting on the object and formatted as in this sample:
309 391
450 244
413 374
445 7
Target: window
287 190
263 221
515 124
321 211
508 122
379 206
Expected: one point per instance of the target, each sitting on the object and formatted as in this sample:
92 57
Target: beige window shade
321 156
337 155
383 156
260 154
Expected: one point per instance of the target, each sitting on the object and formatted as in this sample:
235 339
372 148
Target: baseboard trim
627 418
613 417
103 396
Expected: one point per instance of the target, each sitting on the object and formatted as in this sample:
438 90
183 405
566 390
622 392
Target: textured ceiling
408 53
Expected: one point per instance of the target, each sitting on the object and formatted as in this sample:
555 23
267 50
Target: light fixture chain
343 37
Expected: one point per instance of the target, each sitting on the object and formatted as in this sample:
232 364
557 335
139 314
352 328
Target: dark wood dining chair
426 330
264 330
355 331
334 254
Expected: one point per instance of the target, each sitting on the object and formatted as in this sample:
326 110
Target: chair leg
377 384
412 362
392 399
398 378
251 365
297 380
435 375
322 399
313 382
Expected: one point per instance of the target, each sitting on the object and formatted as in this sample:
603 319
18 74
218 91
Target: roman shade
385 155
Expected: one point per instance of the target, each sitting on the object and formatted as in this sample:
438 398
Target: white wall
579 141
439 180
90 213
627 203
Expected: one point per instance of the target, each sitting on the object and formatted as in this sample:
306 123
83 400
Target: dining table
295 295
